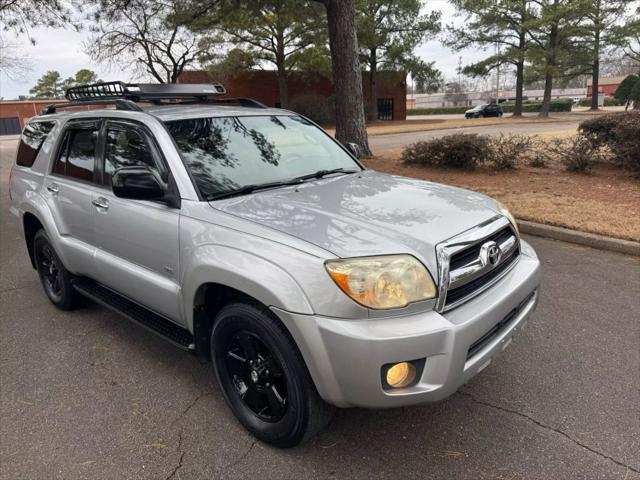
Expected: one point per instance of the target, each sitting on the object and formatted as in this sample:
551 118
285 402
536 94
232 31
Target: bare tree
143 32
14 65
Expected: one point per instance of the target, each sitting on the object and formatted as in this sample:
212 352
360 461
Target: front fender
246 272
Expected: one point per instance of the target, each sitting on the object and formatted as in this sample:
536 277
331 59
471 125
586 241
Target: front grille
497 328
455 294
460 259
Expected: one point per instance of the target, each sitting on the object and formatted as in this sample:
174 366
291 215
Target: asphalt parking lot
85 394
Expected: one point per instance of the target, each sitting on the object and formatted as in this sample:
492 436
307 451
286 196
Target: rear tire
54 277
263 377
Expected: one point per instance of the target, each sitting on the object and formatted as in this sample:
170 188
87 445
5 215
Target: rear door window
77 156
31 140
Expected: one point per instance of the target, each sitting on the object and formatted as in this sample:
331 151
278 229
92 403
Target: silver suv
248 235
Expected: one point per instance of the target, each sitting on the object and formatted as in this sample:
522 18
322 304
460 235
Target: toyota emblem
493 254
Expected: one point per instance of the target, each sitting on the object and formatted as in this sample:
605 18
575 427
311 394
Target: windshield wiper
324 173
262 186
252 188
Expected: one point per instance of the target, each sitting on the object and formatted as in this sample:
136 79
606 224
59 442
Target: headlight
388 281
505 211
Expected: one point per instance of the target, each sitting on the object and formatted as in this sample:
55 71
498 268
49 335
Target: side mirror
138 183
353 148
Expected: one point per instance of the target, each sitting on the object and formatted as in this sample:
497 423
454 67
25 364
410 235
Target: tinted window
125 148
78 155
32 138
224 154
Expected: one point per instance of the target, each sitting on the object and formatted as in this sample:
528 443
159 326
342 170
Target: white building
435 100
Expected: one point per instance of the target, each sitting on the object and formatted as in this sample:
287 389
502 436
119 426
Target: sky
61 50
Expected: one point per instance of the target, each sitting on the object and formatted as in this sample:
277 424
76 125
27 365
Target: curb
601 242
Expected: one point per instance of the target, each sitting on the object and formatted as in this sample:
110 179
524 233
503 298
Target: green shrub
624 91
608 102
626 141
507 151
559 105
316 107
461 150
436 110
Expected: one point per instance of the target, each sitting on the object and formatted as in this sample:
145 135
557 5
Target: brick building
14 114
263 86
606 85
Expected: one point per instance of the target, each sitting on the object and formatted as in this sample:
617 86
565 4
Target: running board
144 317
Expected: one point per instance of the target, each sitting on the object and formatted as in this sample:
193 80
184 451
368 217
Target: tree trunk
549 67
517 109
522 42
281 70
546 99
283 87
347 77
595 72
373 85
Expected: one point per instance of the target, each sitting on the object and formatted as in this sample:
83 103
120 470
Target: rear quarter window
32 138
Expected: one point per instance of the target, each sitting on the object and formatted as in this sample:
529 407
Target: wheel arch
31 224
229 275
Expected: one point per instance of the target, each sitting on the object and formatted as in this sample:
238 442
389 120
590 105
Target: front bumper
345 357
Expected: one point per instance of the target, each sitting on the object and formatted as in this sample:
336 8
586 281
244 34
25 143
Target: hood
366 214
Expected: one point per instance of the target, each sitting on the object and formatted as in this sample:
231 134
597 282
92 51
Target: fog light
401 374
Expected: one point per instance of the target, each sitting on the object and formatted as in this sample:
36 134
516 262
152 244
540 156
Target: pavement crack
242 457
174 472
548 427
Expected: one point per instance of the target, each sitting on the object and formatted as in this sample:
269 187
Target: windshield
225 154
479 107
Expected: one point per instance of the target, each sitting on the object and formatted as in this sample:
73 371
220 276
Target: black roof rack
124 95
144 91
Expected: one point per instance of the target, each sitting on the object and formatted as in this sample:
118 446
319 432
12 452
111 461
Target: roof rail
120 103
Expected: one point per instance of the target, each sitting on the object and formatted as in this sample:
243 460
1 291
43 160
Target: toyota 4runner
248 235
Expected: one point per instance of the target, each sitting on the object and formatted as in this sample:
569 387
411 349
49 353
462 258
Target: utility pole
460 71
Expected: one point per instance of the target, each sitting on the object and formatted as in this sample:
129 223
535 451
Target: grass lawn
605 201
380 127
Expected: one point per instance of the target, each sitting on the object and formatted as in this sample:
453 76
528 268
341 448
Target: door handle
101 202
53 188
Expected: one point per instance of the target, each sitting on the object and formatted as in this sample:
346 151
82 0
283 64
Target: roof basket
125 95
143 91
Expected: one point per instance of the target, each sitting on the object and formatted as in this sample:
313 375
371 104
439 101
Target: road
399 140
86 394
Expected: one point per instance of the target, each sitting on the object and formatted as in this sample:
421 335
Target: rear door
68 190
138 248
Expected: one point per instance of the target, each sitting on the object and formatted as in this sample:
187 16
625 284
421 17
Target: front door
137 240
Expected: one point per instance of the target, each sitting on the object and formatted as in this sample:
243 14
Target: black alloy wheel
263 376
257 376
51 275
54 277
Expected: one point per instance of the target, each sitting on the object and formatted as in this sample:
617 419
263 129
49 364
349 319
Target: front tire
263 377
54 277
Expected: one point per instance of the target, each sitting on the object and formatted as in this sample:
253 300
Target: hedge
436 110
560 105
608 102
